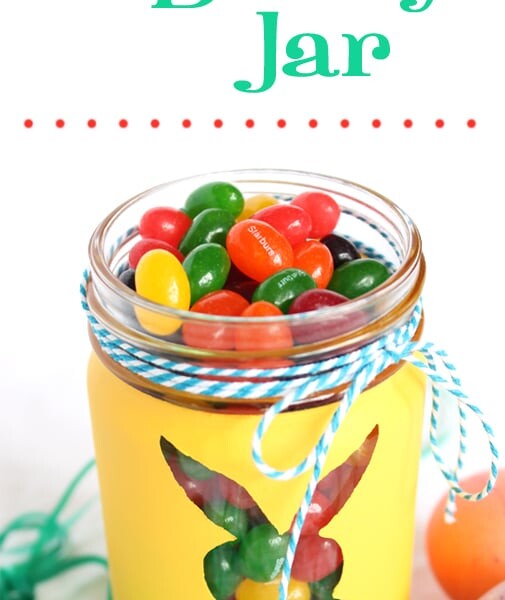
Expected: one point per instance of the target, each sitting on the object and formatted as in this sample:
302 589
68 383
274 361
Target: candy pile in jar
225 256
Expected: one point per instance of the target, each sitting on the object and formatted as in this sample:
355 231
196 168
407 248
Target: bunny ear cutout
224 501
333 491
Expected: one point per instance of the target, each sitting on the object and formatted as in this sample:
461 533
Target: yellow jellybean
255 590
160 277
254 204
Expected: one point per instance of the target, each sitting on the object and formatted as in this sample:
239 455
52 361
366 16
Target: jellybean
214 335
358 277
210 227
164 223
315 558
207 268
227 516
293 222
257 249
198 491
128 278
309 330
193 468
262 552
255 203
315 259
323 210
283 287
235 494
253 590
220 573
315 300
342 250
256 517
264 336
245 288
159 277
319 514
144 245
215 195
334 490
323 589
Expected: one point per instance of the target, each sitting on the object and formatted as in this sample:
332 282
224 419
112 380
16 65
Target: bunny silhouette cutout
249 567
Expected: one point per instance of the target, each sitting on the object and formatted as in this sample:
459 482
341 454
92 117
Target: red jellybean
323 210
263 336
333 491
315 300
258 250
235 494
309 330
147 244
293 222
316 557
315 259
198 491
318 515
215 335
165 223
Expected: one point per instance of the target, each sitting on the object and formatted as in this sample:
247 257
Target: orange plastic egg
468 556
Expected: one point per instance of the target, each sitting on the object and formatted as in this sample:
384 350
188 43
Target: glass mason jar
188 515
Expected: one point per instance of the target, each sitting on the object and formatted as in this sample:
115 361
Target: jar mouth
389 303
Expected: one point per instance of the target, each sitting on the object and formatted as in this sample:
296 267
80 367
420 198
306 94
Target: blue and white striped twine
293 384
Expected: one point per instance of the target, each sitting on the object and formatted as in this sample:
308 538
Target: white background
113 59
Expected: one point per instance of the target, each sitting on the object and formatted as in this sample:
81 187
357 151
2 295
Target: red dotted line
250 123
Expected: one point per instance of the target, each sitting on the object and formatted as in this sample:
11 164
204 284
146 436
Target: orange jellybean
314 258
215 334
258 250
263 336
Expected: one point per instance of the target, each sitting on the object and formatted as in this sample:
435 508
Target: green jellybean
194 469
227 516
283 287
358 277
323 589
210 227
262 552
215 195
221 575
207 267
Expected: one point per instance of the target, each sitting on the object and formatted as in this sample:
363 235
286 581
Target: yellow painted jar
188 515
